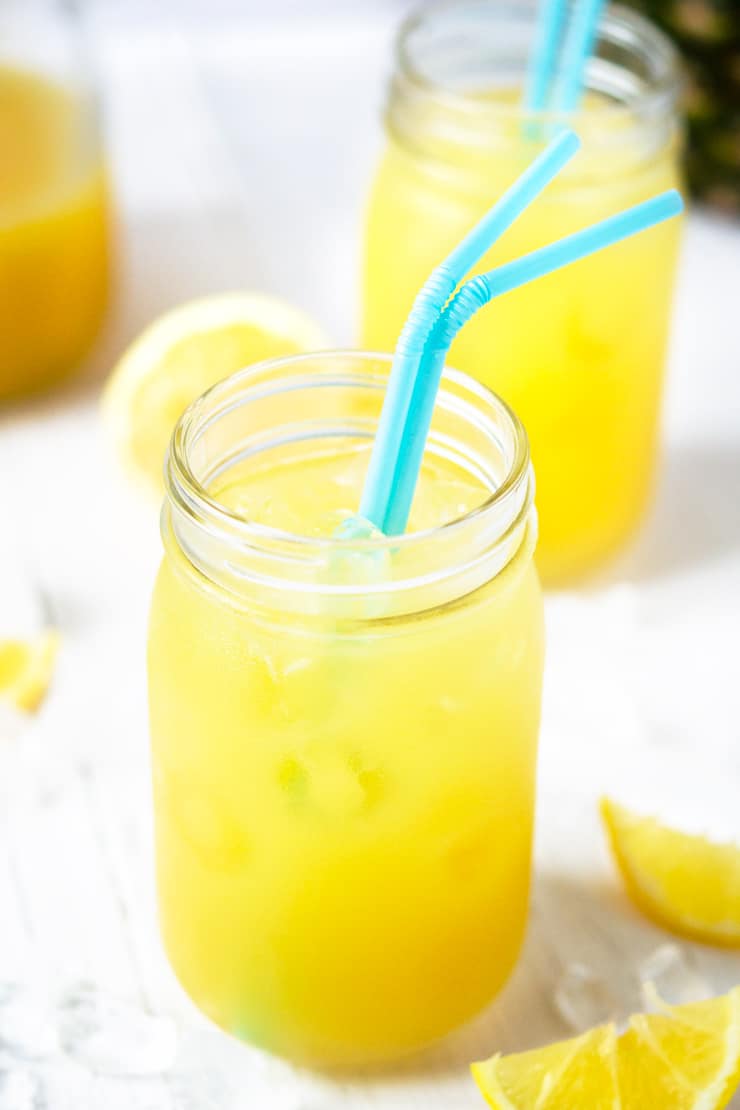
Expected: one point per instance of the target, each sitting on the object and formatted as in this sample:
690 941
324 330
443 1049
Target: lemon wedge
687 883
681 1058
181 355
562 1076
26 667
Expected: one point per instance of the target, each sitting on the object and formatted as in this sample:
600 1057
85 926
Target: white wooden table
241 160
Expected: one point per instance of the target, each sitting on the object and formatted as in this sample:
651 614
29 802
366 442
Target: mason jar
344 731
54 227
579 354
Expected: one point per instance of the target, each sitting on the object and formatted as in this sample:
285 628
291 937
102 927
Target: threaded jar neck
456 93
309 402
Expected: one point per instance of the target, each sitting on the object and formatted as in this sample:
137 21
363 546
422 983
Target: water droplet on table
130 1094
19 1090
206 1075
584 999
26 1024
673 976
111 1036
205 1093
12 723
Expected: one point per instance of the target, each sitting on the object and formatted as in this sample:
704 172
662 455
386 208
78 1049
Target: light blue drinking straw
430 301
472 296
579 43
544 53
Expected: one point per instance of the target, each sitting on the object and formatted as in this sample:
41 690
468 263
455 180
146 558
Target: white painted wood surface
242 161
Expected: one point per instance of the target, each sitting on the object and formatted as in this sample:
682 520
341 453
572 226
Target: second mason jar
579 354
344 731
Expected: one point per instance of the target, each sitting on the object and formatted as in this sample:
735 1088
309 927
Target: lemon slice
687 883
183 353
26 668
562 1076
683 1058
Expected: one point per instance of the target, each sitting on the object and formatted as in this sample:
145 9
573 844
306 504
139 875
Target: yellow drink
53 232
580 354
344 758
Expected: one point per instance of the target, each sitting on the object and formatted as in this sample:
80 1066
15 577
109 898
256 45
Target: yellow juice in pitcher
580 354
53 232
344 745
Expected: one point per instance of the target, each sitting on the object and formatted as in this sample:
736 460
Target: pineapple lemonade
344 732
579 354
53 230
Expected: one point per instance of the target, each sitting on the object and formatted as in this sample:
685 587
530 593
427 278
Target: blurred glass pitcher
54 226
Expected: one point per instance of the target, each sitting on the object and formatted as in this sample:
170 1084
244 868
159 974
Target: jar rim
267 567
616 19
184 488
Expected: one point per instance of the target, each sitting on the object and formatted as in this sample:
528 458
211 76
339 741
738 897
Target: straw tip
674 201
568 140
665 205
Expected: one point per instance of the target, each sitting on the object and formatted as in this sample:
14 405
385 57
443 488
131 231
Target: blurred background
707 32
245 108
241 138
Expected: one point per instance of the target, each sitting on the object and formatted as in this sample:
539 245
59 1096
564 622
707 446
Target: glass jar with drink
579 355
344 731
54 226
